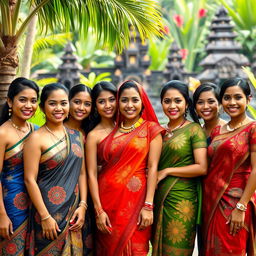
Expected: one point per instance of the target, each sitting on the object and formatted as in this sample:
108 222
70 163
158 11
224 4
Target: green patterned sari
178 200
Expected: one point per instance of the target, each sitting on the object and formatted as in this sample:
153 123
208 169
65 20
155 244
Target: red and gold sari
122 189
123 184
223 187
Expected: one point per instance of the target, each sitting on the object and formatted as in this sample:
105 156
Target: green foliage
253 82
93 79
158 51
243 14
188 26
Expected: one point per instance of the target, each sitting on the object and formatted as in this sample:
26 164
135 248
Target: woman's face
174 104
234 101
207 106
56 107
130 104
106 104
80 106
24 104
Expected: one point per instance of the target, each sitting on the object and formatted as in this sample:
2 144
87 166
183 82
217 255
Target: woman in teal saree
14 131
183 159
56 180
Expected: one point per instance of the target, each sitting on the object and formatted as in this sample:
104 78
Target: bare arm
146 216
197 169
77 220
6 228
102 221
32 154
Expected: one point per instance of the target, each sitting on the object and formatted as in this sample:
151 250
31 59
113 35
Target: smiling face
80 106
174 104
234 101
106 104
24 104
56 106
130 104
207 106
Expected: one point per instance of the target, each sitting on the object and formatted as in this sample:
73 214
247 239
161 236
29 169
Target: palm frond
109 19
51 40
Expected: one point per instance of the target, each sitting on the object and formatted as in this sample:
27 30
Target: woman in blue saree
56 180
14 131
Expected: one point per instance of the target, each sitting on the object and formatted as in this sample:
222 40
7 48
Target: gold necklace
124 129
236 127
19 128
54 135
170 131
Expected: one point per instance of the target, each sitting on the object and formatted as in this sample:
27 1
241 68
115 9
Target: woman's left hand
77 220
161 175
145 219
236 220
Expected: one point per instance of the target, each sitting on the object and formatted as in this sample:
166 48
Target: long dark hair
17 85
96 90
240 82
206 87
183 89
48 89
86 124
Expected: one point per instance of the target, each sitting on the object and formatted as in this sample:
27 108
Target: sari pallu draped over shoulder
223 187
122 189
15 198
58 176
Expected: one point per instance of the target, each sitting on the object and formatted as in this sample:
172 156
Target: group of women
146 181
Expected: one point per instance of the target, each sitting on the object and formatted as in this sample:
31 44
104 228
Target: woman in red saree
229 205
126 189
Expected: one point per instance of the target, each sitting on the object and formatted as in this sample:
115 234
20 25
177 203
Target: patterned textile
223 187
178 200
58 175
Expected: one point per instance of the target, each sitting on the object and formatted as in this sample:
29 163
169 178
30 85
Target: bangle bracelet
46 218
147 209
82 205
149 203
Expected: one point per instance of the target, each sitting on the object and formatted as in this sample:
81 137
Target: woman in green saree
183 159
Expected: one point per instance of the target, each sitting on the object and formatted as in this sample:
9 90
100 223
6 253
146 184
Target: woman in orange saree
229 205
128 176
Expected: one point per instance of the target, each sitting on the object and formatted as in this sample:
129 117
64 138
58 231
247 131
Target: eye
200 102
88 104
167 101
77 102
34 101
226 97
52 103
101 101
23 100
135 100
124 100
178 101
238 97
212 101
112 99
64 103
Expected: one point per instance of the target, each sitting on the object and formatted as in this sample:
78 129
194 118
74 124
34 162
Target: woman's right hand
50 228
103 223
6 228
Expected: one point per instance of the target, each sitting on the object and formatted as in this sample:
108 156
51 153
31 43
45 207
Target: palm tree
109 19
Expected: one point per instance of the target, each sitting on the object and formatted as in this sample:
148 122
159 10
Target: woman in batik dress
15 129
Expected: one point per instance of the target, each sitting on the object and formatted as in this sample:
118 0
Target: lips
173 113
80 114
232 110
206 113
58 115
27 112
108 112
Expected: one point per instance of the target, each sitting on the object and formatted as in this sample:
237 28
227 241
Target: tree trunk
28 48
8 63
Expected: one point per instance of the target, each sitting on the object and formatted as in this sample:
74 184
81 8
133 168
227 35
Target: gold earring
10 112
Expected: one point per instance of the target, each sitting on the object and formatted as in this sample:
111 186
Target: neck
210 124
54 126
130 122
73 123
19 122
235 121
173 123
107 122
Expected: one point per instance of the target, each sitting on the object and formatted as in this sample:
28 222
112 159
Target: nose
28 104
172 104
58 107
81 107
206 105
232 101
107 105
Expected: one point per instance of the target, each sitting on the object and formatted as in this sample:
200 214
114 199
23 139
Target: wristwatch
241 207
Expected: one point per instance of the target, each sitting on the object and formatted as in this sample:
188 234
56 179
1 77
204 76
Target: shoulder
6 133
